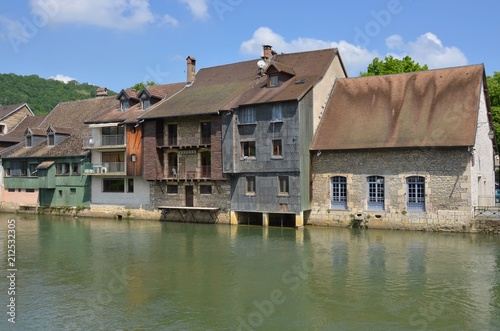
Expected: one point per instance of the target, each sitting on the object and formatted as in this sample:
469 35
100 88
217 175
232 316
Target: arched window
338 189
415 193
376 193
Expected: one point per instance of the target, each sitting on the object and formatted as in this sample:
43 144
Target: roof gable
426 108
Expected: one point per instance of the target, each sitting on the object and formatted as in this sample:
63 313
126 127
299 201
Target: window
276 114
172 134
338 189
60 193
3 129
130 185
247 116
376 193
277 149
32 169
250 185
415 193
72 191
62 169
113 185
51 139
113 135
205 128
205 189
125 104
173 169
172 189
274 80
283 188
11 190
145 103
29 140
17 168
30 190
75 169
248 149
206 160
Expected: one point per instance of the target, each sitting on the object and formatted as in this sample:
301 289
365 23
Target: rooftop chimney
101 92
191 69
268 52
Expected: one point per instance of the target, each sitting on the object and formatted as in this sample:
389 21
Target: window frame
205 189
284 185
247 116
274 80
108 182
248 149
376 193
277 151
63 169
338 192
170 189
250 186
415 194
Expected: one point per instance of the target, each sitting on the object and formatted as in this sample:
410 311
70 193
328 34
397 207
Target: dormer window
29 140
274 80
3 129
51 139
124 104
145 103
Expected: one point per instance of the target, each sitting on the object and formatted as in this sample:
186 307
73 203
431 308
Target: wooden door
189 196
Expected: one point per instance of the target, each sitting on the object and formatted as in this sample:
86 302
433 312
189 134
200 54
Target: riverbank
480 225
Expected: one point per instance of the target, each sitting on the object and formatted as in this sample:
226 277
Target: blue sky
118 43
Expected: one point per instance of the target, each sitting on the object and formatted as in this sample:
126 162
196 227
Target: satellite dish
261 64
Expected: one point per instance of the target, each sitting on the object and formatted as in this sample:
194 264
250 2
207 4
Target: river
97 274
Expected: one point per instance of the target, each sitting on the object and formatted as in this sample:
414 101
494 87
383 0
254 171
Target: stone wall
218 199
447 188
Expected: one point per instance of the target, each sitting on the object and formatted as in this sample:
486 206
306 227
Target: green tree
494 93
391 65
141 85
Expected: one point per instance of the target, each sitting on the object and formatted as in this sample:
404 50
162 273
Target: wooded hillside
41 94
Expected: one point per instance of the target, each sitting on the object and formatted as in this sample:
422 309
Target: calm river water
83 274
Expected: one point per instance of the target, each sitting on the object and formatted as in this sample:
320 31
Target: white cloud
169 20
115 14
355 58
62 78
198 8
427 49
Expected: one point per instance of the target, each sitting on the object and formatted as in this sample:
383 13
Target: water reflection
80 274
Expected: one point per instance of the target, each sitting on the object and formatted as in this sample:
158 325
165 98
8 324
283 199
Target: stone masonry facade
447 188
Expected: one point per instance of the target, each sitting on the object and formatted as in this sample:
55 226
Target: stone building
406 151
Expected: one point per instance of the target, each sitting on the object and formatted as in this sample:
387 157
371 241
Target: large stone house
45 169
116 146
267 130
413 150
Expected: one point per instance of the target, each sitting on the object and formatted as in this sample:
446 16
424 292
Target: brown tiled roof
130 115
309 68
229 86
212 88
66 115
59 130
73 114
17 135
38 131
7 110
427 108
